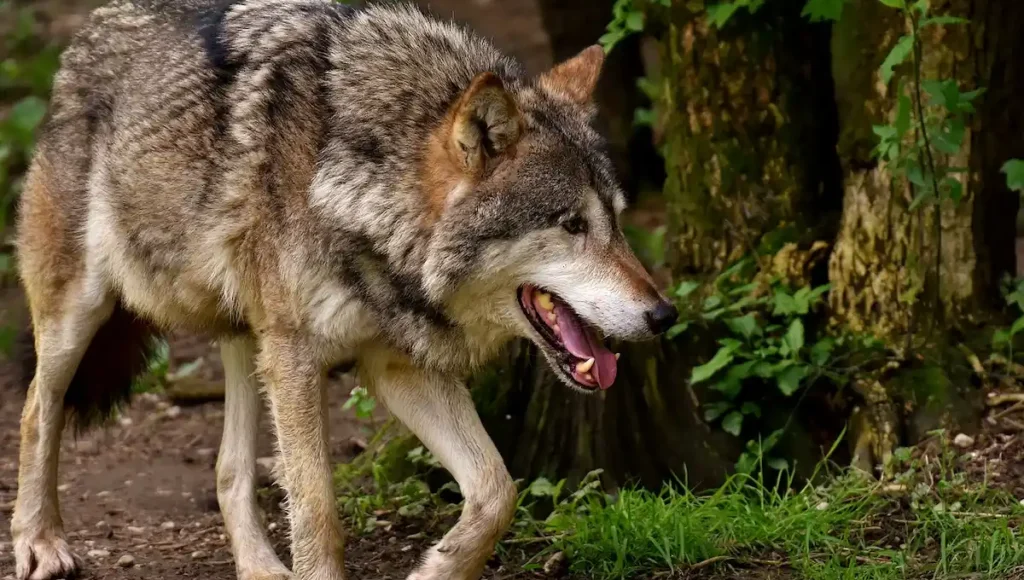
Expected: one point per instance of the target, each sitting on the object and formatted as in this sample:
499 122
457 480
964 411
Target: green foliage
838 530
627 18
362 401
1003 338
931 117
1014 170
26 74
157 369
821 10
816 10
765 341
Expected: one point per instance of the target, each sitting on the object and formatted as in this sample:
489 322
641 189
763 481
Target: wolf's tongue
582 343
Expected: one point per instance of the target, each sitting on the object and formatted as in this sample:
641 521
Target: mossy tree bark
916 278
747 127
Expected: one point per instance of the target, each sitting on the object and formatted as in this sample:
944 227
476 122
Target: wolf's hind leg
236 465
62 336
441 413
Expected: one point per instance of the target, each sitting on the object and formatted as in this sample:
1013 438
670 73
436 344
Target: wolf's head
526 216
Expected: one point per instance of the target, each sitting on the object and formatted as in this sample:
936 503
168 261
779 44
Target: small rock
205 451
963 441
167 526
198 554
128 483
164 493
173 412
136 530
126 561
821 506
63 487
103 494
406 548
125 421
98 553
222 537
555 564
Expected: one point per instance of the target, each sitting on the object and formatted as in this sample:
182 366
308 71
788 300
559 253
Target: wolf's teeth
558 331
585 366
544 301
617 355
552 317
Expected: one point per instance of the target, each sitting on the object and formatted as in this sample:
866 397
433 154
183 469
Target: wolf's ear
485 124
577 77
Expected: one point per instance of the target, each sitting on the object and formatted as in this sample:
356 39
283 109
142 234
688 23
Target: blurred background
830 189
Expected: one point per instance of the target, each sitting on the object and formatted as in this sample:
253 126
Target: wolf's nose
662 317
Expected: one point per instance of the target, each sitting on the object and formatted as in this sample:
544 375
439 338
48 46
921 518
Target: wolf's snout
661 317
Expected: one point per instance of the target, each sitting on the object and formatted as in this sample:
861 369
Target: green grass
928 522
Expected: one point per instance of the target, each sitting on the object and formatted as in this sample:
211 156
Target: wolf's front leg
294 383
440 412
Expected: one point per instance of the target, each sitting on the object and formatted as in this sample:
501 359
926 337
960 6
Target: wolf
313 184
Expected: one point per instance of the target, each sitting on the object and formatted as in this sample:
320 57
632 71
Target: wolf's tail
118 353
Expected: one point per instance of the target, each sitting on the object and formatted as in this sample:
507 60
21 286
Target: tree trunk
915 277
740 148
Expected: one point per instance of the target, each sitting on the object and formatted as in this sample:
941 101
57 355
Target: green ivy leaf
1014 170
897 55
789 380
719 14
715 410
541 487
676 330
1018 325
795 336
733 423
821 351
785 304
635 21
901 4
686 288
703 372
745 326
751 408
818 10
777 463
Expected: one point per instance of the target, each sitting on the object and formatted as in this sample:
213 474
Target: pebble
198 554
821 506
963 441
126 561
136 530
167 526
173 412
125 421
406 548
103 494
64 487
98 553
102 525
205 451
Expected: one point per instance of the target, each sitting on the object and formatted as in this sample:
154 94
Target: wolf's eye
575 225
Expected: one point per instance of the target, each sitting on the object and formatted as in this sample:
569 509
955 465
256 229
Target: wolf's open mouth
582 354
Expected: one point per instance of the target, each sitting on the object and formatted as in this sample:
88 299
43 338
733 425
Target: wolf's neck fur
387 76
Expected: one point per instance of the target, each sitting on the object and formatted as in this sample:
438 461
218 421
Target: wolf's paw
44 557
